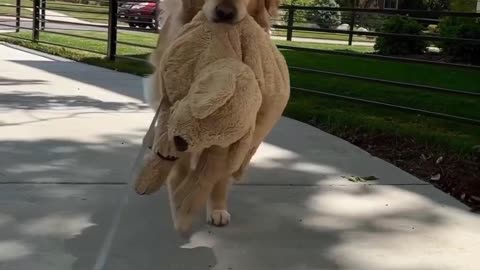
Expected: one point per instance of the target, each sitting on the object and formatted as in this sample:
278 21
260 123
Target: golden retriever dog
177 13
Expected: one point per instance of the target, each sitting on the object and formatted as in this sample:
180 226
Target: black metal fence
352 17
115 16
109 17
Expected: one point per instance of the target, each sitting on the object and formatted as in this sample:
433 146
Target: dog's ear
266 10
272 7
190 8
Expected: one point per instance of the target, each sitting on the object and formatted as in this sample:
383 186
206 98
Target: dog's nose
225 12
180 143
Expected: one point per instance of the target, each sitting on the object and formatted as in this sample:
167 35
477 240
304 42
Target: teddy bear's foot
153 174
218 217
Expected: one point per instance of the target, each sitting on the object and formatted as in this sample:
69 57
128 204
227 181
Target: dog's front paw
218 217
183 224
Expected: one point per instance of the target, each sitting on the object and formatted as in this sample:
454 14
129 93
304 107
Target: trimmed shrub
326 18
392 45
371 21
467 28
322 18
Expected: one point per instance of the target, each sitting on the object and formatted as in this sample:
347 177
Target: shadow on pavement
22 100
9 81
281 227
126 84
273 227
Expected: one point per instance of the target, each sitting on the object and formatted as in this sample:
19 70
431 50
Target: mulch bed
456 175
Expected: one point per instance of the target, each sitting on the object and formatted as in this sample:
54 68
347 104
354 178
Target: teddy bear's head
220 108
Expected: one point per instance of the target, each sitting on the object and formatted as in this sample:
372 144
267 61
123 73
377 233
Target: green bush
371 21
467 28
323 18
326 18
301 16
463 5
393 45
425 4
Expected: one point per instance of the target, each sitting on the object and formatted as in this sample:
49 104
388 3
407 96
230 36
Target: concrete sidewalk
69 133
51 15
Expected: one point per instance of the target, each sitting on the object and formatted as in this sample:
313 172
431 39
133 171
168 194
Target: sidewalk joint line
330 185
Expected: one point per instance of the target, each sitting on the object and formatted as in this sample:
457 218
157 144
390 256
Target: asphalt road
7 23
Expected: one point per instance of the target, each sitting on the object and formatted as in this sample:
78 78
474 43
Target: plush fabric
219 85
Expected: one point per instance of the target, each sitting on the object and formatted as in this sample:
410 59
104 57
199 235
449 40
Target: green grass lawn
338 114
10 9
331 47
320 35
82 12
331 114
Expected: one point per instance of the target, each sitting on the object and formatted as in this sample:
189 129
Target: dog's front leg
192 194
217 209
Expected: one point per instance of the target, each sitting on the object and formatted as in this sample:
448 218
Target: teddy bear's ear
211 91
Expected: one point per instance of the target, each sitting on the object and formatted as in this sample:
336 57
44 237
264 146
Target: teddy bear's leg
153 174
267 118
240 173
193 192
161 158
217 213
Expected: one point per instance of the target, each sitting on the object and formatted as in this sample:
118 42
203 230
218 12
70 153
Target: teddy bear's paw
218 217
147 185
152 175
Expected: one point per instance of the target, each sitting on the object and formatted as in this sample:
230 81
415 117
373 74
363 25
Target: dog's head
233 11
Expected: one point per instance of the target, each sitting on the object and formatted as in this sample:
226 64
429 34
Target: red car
139 13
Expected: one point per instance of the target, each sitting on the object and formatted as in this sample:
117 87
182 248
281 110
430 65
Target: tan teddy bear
222 89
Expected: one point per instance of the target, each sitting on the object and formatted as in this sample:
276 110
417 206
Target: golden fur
207 169
177 13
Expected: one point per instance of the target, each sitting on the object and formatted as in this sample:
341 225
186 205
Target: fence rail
116 21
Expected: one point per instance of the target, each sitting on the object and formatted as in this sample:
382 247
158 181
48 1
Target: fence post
43 5
352 25
112 30
155 19
291 16
36 21
18 12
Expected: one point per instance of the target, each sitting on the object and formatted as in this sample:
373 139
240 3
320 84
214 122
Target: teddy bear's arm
162 144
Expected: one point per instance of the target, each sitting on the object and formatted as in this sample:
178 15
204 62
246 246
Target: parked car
139 13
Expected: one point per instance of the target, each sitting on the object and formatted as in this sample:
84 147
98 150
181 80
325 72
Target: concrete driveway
69 134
